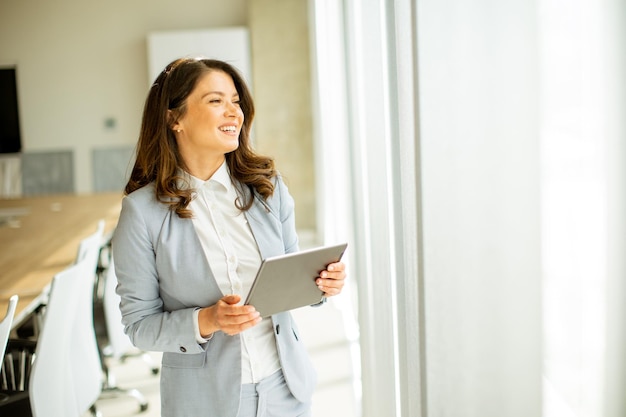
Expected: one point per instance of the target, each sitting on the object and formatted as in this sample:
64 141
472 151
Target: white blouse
234 258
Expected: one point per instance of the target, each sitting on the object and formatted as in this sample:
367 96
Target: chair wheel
155 371
143 407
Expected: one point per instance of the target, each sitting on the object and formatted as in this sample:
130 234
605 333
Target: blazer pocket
177 360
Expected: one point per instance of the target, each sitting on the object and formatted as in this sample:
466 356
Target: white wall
281 65
230 44
81 63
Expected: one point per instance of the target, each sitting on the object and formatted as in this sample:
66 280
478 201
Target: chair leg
148 359
154 368
110 387
94 411
131 392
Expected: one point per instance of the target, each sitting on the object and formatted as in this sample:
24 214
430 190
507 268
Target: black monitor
10 138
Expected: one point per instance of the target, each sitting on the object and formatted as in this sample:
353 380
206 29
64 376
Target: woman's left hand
332 279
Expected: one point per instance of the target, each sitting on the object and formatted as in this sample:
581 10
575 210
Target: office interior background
472 153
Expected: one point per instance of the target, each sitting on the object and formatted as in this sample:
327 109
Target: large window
484 154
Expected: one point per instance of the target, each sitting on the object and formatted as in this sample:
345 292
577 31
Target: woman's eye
215 100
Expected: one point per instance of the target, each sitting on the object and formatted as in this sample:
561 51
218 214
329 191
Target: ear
173 122
176 127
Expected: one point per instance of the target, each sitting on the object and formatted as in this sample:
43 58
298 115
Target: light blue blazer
164 276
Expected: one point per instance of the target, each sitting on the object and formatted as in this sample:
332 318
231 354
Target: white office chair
5 331
89 252
29 324
115 344
92 243
62 373
66 376
5 326
119 343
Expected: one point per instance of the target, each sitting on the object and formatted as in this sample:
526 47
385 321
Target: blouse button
182 349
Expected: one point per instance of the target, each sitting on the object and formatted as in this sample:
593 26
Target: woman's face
213 119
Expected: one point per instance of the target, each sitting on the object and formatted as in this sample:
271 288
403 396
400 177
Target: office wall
82 70
282 91
82 76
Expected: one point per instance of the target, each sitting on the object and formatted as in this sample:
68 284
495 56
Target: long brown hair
158 157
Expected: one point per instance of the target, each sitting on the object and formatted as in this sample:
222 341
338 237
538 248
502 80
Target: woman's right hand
227 316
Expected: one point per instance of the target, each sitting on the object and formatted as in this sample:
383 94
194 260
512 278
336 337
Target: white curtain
365 76
583 189
484 149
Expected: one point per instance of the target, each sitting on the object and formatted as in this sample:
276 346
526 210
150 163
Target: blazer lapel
266 228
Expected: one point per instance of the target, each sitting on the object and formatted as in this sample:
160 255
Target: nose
232 109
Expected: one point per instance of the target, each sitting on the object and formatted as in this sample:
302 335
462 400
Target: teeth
228 129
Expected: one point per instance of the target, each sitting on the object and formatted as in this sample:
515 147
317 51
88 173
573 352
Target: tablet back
287 282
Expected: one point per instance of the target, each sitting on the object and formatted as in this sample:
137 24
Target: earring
178 130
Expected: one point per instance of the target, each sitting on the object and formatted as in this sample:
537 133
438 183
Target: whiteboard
227 44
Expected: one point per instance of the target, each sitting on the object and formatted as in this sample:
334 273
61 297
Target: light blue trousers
271 398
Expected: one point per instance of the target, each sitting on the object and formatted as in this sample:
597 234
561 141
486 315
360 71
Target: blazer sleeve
146 323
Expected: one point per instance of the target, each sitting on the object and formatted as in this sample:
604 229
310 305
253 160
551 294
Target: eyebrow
219 93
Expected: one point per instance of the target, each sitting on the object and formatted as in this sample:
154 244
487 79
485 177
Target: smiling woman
202 209
186 107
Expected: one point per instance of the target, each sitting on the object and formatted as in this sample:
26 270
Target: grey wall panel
111 168
47 172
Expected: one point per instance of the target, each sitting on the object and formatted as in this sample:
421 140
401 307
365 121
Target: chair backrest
5 326
66 378
88 357
90 242
119 342
51 385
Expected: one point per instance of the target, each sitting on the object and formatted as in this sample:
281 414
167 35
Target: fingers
231 299
332 280
233 319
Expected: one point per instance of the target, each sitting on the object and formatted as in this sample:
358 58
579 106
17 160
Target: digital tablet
286 282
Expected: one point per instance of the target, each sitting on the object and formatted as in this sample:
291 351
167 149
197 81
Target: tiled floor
329 338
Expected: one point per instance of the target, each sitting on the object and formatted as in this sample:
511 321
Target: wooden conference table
39 237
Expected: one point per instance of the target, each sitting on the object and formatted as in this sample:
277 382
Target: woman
202 209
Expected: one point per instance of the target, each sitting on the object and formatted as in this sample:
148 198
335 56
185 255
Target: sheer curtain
582 69
483 149
365 78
